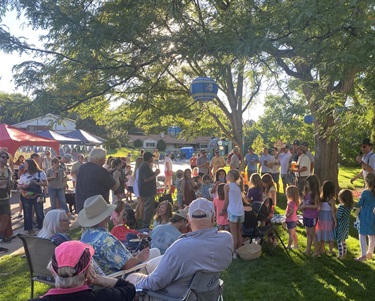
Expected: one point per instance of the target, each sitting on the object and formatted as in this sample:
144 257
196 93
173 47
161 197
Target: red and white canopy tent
13 138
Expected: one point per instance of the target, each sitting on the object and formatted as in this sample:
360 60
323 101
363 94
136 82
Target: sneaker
31 232
234 256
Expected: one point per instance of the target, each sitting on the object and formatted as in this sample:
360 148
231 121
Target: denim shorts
235 218
291 225
309 222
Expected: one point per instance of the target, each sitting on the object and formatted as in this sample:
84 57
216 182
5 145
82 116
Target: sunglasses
4 157
363 146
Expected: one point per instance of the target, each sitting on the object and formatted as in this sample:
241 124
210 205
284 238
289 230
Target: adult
231 154
235 160
168 170
30 185
295 146
251 161
75 168
174 272
156 158
56 226
302 170
56 189
6 184
163 213
187 188
139 207
217 162
47 160
310 155
275 168
284 156
163 236
37 158
93 179
10 163
264 160
193 161
367 160
203 163
72 268
147 187
110 253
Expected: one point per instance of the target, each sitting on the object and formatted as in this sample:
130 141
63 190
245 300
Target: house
48 122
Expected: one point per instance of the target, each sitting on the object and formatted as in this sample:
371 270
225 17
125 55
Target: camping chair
203 287
38 253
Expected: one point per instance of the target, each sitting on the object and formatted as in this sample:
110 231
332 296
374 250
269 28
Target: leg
290 240
52 197
371 243
233 230
239 235
61 196
27 210
295 238
330 244
363 245
139 209
149 204
340 248
308 242
39 213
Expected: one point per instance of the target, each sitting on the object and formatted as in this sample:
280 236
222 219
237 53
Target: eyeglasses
363 146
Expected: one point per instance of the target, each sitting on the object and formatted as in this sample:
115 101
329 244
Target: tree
161 145
138 143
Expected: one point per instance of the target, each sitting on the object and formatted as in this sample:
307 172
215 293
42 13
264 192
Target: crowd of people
209 213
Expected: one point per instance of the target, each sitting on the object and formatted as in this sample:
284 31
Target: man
217 162
251 161
75 168
47 160
168 170
284 156
310 155
367 160
11 164
235 160
182 260
295 147
275 168
110 254
302 170
165 235
37 158
264 160
147 187
203 163
93 179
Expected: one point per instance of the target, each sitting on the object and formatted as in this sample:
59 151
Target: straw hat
95 210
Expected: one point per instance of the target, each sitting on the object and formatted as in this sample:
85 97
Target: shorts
130 189
291 225
168 173
276 177
235 218
309 222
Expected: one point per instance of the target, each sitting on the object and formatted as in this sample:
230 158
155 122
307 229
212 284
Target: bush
161 145
138 143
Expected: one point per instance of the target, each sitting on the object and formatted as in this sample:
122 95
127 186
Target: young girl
269 191
343 216
220 177
255 193
291 219
117 216
310 205
327 216
233 204
367 218
221 220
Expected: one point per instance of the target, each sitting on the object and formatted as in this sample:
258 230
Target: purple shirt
309 213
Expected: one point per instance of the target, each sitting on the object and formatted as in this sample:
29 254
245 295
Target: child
117 216
291 219
343 216
367 218
310 205
220 177
206 187
233 204
129 183
255 193
221 220
179 177
195 172
326 217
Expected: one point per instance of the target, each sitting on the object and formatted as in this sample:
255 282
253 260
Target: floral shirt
110 253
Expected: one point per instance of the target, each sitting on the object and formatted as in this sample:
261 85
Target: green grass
268 278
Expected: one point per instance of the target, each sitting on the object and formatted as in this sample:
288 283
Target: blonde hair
370 182
292 193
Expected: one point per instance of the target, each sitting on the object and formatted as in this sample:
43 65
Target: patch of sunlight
297 290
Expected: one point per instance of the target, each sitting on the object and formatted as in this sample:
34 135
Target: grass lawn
267 278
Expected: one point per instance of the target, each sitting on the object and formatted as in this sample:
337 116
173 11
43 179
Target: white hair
68 281
97 154
51 223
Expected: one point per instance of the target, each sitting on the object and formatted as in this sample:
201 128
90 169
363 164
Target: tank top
235 205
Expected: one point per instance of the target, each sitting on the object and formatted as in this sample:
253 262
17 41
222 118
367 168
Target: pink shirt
291 206
221 220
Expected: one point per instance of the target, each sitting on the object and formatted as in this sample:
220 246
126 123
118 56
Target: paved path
15 246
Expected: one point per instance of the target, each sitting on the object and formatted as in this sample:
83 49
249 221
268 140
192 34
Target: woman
163 213
56 225
71 266
5 186
30 185
139 206
56 186
187 188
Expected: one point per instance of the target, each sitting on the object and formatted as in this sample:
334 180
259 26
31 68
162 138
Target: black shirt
146 189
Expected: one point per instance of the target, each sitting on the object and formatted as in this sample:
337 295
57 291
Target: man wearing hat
71 266
302 170
217 162
203 163
251 161
164 235
310 155
175 271
110 254
367 160
147 187
93 179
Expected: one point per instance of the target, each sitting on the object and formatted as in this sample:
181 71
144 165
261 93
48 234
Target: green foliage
258 144
15 108
161 145
138 143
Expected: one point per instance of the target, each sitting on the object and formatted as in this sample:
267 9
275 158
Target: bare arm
226 200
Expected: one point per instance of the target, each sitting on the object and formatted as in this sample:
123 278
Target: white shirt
284 162
263 158
275 167
167 164
303 161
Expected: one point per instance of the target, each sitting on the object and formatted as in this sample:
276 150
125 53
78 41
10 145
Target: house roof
171 140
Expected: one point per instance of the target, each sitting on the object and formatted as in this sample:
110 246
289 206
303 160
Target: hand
222 212
157 172
352 180
358 159
91 276
144 255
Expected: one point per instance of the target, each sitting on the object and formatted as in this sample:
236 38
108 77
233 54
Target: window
150 144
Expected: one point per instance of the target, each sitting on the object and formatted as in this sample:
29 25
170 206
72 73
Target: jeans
149 206
28 212
58 193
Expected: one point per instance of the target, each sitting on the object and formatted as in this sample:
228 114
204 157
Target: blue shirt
110 253
163 236
206 191
249 158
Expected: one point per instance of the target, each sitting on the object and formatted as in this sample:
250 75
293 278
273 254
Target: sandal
362 258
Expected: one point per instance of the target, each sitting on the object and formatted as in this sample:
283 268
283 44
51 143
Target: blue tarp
85 137
56 136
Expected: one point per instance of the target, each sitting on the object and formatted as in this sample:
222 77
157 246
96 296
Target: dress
325 224
343 217
163 236
221 220
366 215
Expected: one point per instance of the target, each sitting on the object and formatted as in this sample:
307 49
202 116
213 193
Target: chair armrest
128 271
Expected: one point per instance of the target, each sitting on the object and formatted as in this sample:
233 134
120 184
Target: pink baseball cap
73 254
